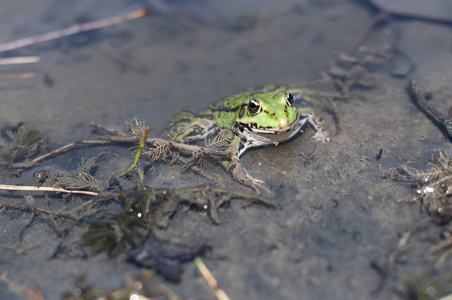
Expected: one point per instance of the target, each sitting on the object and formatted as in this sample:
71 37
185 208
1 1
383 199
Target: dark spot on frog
254 125
240 127
241 111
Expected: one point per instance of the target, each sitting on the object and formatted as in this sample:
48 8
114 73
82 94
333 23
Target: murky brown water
338 215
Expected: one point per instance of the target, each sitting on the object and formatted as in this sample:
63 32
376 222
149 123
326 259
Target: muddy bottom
337 228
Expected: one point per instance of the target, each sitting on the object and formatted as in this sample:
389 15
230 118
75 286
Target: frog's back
239 98
233 100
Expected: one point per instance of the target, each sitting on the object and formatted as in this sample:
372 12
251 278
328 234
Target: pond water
337 214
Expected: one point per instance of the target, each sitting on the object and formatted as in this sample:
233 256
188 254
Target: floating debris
166 258
427 285
142 287
434 187
78 180
24 141
144 207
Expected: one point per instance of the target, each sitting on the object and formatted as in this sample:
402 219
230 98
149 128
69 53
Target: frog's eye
289 99
254 107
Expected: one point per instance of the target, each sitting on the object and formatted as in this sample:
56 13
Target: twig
444 120
443 258
394 255
17 75
211 281
75 29
41 210
44 189
440 247
35 294
65 147
119 137
245 196
19 60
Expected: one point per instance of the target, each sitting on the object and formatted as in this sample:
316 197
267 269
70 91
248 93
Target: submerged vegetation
144 207
78 180
434 187
111 228
427 285
21 144
434 192
143 286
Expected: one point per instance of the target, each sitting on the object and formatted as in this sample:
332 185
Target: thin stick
440 247
394 255
211 281
41 210
65 147
17 75
35 295
443 259
44 189
121 139
75 29
19 60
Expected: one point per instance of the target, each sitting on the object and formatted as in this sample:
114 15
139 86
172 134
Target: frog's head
267 118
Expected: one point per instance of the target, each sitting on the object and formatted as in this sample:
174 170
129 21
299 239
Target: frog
252 118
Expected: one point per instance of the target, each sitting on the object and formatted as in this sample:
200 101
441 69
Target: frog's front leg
234 167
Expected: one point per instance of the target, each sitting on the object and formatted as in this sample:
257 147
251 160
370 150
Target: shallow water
337 214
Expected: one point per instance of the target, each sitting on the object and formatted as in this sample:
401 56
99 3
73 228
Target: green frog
252 118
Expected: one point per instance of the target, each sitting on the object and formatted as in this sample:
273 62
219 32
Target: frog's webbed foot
238 172
256 184
321 136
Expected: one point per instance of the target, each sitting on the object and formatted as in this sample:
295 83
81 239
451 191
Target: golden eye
289 99
254 107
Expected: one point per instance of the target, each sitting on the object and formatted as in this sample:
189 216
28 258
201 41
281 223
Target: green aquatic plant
23 142
114 236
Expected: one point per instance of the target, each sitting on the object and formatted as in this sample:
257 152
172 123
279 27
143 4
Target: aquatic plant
434 187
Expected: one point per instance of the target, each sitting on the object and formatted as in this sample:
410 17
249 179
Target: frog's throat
264 136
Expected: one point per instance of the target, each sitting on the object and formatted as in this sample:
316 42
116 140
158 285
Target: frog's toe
257 185
321 136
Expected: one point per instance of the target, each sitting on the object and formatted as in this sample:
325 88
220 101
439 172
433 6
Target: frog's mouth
258 135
